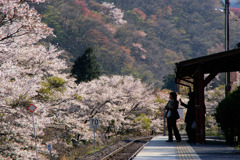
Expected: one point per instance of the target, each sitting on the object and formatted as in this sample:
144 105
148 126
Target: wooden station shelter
198 72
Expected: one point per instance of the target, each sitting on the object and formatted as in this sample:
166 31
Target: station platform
214 149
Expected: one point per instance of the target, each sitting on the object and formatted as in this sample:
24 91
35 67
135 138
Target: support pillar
199 106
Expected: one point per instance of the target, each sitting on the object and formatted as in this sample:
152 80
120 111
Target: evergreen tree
86 68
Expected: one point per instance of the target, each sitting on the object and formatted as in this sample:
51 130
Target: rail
125 146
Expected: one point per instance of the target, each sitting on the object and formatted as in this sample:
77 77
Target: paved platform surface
213 149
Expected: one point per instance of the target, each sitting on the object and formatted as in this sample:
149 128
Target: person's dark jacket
172 106
190 115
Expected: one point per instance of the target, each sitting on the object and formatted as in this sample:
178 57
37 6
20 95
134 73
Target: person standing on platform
172 116
190 118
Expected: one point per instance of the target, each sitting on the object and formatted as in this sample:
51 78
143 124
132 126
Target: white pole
35 136
94 140
227 75
164 123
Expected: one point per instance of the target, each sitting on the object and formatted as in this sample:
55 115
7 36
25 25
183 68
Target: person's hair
173 95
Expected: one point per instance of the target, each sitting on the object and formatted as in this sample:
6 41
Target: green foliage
142 73
90 149
211 126
3 139
157 113
55 83
86 67
12 79
131 71
68 139
51 86
21 101
2 114
227 115
133 17
169 83
160 100
79 98
144 120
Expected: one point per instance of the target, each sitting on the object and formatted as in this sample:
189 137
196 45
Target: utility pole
227 74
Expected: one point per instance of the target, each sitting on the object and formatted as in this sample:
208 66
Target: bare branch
12 34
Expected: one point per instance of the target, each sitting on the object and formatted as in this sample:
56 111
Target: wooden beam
209 78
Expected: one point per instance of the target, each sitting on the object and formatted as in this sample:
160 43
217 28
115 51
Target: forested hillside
143 38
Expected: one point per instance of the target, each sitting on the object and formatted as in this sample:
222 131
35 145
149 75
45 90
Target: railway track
128 151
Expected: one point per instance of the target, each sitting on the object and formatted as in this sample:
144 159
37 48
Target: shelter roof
227 61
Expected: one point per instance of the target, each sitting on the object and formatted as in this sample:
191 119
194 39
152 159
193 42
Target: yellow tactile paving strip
185 151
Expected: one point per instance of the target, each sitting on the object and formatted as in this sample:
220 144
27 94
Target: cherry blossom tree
116 13
116 101
33 73
23 66
19 25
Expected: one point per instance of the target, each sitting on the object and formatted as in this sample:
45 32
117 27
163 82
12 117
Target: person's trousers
190 132
171 125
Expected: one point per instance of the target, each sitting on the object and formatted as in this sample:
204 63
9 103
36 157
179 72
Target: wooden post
199 106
